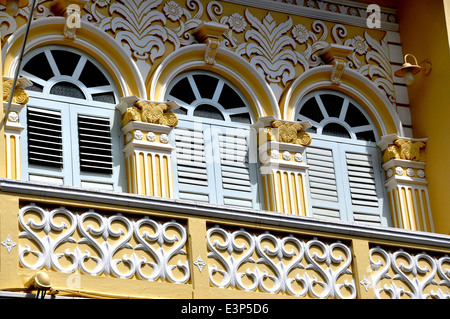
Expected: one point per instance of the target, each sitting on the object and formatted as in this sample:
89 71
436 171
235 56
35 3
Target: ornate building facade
262 148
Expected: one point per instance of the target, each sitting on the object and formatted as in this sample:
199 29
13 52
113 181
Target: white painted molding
321 14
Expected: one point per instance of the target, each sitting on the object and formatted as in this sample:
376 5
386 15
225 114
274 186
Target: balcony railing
95 243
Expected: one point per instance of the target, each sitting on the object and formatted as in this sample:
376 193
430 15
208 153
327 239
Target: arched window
71 134
345 173
215 158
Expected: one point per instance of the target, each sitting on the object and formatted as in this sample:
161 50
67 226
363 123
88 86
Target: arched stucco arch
360 88
227 64
89 39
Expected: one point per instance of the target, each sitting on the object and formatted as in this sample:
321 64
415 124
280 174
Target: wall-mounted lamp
12 6
408 70
40 282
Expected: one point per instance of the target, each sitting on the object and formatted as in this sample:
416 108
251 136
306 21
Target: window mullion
79 68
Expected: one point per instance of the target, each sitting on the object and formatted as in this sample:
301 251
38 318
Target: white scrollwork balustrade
399 273
108 240
272 264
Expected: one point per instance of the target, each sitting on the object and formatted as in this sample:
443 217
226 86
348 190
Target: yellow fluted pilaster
281 152
11 128
407 187
148 159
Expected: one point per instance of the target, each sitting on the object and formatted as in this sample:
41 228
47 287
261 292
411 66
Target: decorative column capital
281 143
20 95
271 129
410 149
147 124
336 55
134 109
210 34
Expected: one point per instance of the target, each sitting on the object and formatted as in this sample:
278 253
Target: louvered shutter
345 182
44 132
191 164
213 165
95 144
235 171
323 185
362 179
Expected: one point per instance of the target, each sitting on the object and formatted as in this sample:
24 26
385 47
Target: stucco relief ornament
359 44
8 243
13 117
286 155
298 157
20 95
300 33
289 133
151 112
405 149
237 22
200 263
138 135
275 154
164 138
173 11
366 283
151 136
410 172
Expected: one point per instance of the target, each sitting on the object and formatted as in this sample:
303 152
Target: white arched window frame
215 151
345 176
72 130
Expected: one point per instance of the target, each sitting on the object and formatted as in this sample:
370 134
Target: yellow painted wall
425 34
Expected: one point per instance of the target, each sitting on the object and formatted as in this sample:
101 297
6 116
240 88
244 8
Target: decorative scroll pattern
279 50
97 244
417 276
287 265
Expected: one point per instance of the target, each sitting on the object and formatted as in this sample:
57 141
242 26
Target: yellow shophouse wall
428 95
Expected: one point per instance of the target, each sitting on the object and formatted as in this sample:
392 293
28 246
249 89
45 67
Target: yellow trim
42 34
352 84
226 64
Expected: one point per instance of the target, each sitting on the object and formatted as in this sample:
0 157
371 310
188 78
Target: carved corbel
336 55
210 34
71 9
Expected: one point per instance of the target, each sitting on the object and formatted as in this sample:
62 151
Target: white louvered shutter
323 185
236 172
362 178
213 165
191 164
345 182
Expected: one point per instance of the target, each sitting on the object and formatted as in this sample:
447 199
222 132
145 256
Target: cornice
226 212
320 12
